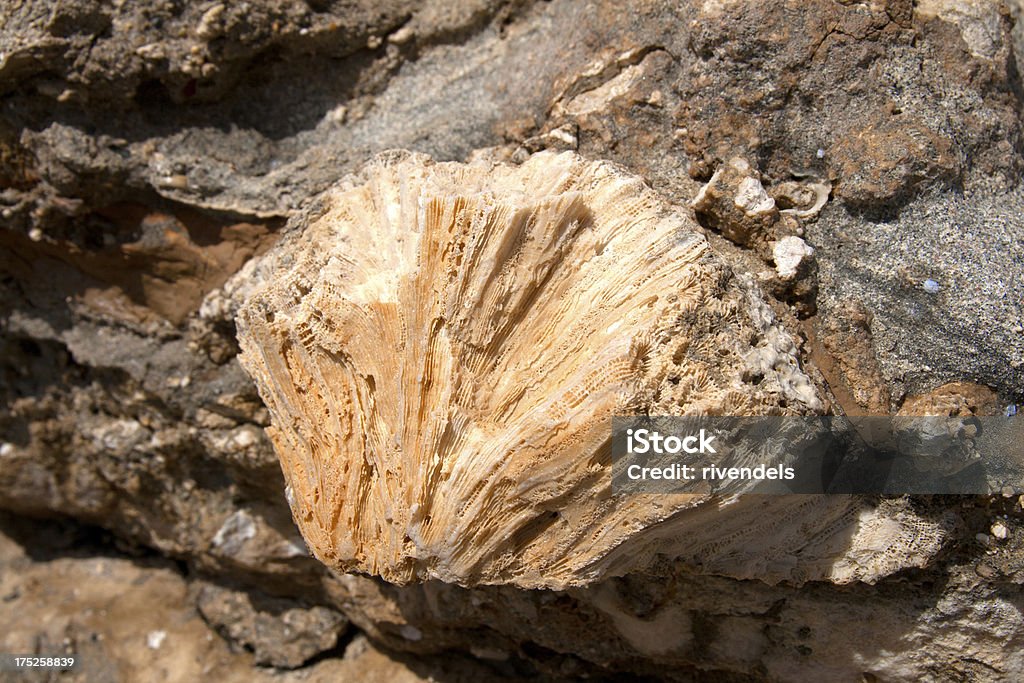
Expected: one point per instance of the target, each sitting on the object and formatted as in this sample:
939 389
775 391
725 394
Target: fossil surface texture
442 346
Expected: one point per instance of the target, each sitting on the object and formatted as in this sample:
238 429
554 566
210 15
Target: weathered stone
277 631
149 149
735 203
131 619
412 282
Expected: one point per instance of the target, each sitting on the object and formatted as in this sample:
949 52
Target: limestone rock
442 348
792 255
795 277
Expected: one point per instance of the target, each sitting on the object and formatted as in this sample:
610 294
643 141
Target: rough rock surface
150 150
129 618
277 631
442 348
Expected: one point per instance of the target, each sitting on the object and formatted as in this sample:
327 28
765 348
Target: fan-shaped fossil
442 346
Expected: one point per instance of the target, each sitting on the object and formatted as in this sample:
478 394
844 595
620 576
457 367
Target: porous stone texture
442 348
152 152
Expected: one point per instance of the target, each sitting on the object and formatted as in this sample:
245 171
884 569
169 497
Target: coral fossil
442 346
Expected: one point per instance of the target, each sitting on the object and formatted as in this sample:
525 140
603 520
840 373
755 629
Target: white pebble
154 639
401 36
789 254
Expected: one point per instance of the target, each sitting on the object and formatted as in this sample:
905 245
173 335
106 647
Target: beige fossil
442 346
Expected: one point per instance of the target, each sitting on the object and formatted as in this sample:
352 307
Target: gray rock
279 632
971 327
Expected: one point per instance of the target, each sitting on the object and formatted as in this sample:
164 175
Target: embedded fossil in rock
735 203
803 200
442 346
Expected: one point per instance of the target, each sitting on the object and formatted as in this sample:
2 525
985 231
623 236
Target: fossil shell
442 346
804 200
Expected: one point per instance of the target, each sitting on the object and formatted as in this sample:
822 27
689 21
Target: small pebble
178 181
985 570
1000 531
337 115
401 36
931 286
154 639
245 438
820 153
982 539
209 23
492 653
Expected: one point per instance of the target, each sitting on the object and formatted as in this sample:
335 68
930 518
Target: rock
985 570
154 639
883 163
925 339
736 204
277 631
980 23
851 365
152 152
127 617
792 257
956 399
887 130
795 279
448 274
